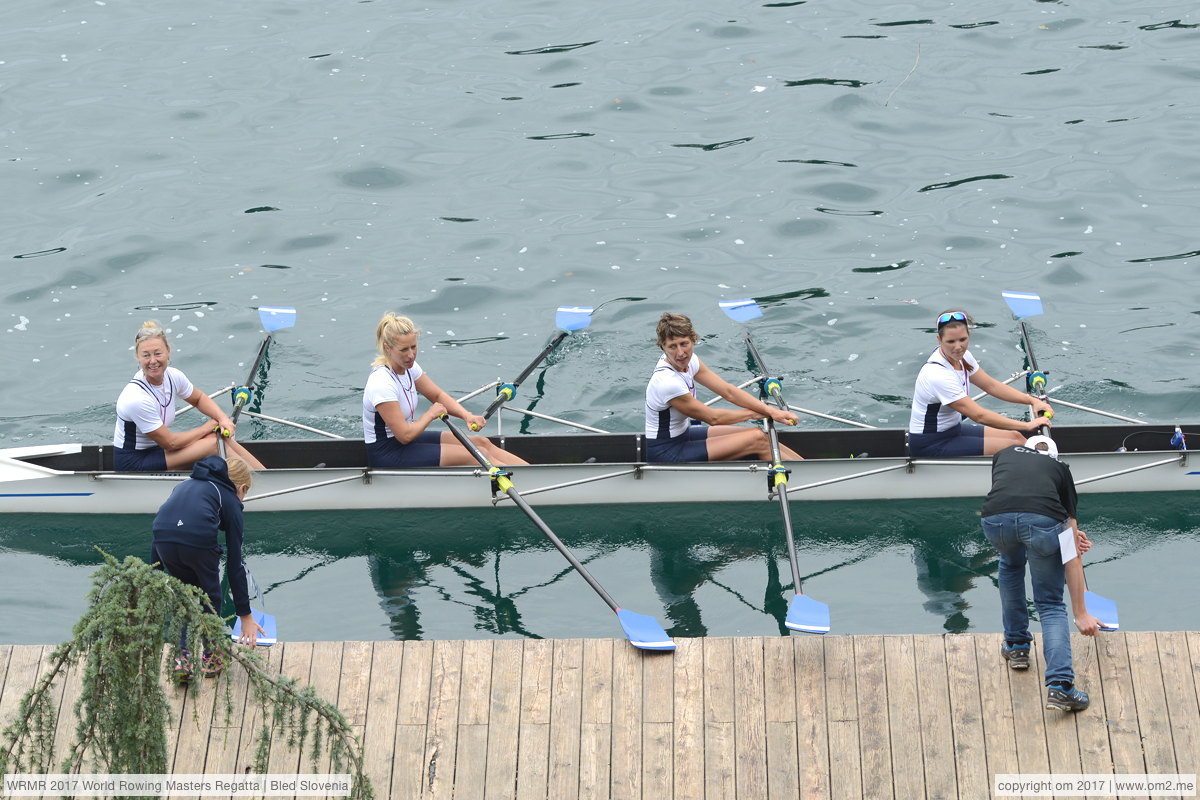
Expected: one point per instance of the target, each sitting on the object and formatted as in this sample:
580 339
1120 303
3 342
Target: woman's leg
995 440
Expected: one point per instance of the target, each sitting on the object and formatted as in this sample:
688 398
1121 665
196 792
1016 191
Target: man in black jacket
185 542
1031 502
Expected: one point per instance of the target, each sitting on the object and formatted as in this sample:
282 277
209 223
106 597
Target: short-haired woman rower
942 398
143 440
671 406
396 437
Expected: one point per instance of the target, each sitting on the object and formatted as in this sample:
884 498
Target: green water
858 168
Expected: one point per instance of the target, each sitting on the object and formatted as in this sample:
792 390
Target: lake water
857 168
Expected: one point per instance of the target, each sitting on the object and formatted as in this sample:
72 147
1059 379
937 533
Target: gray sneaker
1017 655
1069 700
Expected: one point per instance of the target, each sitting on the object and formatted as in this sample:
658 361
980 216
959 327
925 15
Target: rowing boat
591 469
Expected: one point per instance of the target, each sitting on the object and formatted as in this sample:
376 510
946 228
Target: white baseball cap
1042 444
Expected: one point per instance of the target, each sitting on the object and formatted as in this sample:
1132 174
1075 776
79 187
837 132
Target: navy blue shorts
961 440
691 445
152 459
423 451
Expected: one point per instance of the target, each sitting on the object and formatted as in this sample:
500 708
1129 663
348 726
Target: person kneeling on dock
673 414
186 547
1031 502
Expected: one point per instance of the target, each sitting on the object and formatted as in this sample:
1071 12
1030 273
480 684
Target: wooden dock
839 717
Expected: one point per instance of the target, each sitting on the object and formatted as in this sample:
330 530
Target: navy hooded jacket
196 510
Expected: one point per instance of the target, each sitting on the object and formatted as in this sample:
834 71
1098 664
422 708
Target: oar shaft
512 492
262 351
1041 391
502 398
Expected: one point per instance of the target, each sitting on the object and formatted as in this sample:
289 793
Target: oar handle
503 481
509 390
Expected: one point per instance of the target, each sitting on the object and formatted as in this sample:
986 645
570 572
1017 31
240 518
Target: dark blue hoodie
196 510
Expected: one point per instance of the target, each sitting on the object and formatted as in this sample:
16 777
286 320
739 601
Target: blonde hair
674 326
151 329
389 329
239 472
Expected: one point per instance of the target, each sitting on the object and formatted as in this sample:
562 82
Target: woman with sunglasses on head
143 440
942 397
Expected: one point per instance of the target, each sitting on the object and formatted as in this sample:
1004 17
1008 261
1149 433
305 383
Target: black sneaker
1066 699
1017 655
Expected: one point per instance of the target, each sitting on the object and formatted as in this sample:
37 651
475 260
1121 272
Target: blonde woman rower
396 436
143 439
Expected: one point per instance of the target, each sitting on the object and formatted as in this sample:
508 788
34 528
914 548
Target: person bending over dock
673 414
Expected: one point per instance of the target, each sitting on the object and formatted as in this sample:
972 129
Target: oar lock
500 479
507 390
241 396
1036 381
770 386
777 473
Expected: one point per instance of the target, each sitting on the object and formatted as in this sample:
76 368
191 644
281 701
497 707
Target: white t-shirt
148 407
938 385
385 386
667 383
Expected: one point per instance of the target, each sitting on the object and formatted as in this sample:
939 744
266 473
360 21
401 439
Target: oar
568 319
1026 304
804 613
642 631
274 318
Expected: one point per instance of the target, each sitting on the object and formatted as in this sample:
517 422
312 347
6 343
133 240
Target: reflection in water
710 570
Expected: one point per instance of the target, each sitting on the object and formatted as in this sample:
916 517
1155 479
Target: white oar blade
573 318
741 310
276 318
644 632
1102 609
807 615
1023 304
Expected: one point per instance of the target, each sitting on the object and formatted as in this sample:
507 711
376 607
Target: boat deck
897 716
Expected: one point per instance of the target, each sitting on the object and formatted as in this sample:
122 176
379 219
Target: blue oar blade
807 615
267 637
1023 304
1102 609
644 632
741 310
573 318
276 318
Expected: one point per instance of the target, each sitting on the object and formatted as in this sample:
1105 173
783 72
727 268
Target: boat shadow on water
712 569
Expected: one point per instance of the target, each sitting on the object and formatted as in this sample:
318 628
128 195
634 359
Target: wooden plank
779 683
720 770
933 695
1120 708
566 710
533 752
874 728
504 713
1095 754
470 762
626 768
845 766
595 733
1062 732
325 676
225 735
1179 670
1028 702
441 735
904 716
409 777
379 732
1154 719
750 723
5 655
192 749
966 717
812 727
64 732
296 664
999 734
252 718
687 729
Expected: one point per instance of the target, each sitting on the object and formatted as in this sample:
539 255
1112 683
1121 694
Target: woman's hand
784 417
436 411
475 422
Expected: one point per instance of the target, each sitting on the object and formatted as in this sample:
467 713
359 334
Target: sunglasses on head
951 316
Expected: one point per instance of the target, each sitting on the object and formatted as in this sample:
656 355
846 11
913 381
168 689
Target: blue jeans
1034 538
